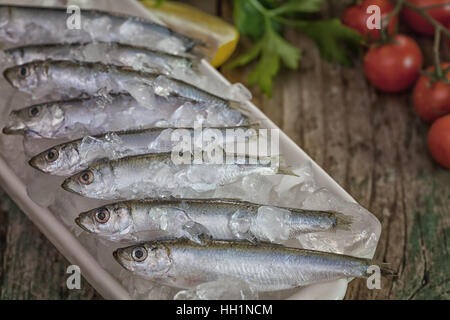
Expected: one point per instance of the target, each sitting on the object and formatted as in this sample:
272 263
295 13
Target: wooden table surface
373 144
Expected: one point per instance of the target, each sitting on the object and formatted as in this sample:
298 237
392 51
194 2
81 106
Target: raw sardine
265 267
36 25
80 117
71 79
225 219
139 58
152 175
72 157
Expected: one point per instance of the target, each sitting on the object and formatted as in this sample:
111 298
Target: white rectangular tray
69 245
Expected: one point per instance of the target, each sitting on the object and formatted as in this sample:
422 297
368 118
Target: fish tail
385 269
343 222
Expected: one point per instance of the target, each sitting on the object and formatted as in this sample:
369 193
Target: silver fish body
160 174
37 25
69 158
139 58
265 267
92 116
72 79
224 219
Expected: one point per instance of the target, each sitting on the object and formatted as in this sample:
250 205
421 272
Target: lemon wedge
220 37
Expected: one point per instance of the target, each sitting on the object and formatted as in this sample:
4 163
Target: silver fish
162 174
74 156
75 78
97 115
36 25
224 219
108 53
265 267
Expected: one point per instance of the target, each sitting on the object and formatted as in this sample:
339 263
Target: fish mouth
122 258
66 186
9 131
7 78
116 255
81 225
15 125
32 163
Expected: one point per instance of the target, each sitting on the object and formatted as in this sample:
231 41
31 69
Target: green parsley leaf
273 50
307 6
158 3
247 57
249 21
263 21
334 40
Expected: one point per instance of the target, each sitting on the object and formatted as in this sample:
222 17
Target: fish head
40 120
59 160
94 182
109 220
27 76
151 259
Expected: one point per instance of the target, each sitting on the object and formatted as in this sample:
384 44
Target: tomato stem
437 59
384 33
422 12
398 7
438 74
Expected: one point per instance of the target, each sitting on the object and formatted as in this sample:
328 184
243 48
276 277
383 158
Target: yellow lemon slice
220 37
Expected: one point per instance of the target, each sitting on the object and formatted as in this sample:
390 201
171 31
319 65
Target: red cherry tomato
419 24
394 66
439 141
432 101
356 16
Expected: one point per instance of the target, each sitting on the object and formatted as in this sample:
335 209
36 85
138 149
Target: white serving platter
70 246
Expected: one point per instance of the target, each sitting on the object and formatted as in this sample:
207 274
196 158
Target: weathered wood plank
30 266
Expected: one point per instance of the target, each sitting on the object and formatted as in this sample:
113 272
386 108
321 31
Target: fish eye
139 254
33 111
102 215
86 177
51 155
24 72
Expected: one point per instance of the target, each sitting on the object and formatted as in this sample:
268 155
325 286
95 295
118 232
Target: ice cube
144 289
271 224
240 223
142 92
359 241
